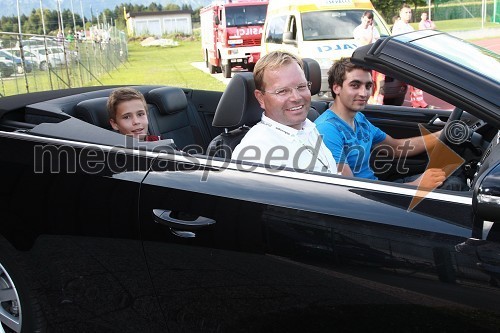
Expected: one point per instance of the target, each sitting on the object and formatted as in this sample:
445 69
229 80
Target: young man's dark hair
336 73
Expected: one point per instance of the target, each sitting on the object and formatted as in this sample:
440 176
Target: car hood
461 73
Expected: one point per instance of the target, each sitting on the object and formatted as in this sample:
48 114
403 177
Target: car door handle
181 228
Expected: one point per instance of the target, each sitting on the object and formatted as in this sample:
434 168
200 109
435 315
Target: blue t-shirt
349 145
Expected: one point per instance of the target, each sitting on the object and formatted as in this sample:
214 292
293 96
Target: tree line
32 23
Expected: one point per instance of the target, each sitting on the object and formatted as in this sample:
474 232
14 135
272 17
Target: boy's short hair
336 73
121 95
272 61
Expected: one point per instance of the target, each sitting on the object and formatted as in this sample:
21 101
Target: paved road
492 44
201 66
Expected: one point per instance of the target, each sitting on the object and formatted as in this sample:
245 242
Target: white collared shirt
400 27
362 34
272 143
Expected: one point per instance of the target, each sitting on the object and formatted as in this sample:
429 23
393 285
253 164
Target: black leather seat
173 117
313 74
238 109
94 111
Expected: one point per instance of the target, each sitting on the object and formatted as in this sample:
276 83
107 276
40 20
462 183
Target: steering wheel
454 130
453 134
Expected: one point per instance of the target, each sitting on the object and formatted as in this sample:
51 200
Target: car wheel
226 71
212 69
43 66
19 311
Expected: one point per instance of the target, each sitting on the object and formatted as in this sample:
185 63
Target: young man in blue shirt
351 137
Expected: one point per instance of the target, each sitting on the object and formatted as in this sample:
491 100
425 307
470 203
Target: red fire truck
231 32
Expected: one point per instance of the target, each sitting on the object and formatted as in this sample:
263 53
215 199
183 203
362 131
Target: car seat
94 111
172 116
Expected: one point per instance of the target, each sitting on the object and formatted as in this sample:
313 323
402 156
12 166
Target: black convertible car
102 233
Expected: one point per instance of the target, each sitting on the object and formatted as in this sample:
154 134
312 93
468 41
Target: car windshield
246 15
335 24
470 56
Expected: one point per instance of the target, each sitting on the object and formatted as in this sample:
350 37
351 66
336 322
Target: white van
321 29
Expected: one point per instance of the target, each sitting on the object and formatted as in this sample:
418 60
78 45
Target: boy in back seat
128 113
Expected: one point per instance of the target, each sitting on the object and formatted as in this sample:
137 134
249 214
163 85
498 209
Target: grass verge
164 65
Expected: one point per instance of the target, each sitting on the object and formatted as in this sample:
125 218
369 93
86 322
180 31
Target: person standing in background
364 34
425 23
402 26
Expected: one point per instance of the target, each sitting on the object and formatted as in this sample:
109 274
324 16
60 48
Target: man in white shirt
364 34
284 137
403 24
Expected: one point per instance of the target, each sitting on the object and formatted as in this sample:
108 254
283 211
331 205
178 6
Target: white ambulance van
319 29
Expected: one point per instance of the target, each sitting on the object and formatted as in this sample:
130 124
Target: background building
160 23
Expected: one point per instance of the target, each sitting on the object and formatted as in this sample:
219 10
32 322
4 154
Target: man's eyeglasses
287 91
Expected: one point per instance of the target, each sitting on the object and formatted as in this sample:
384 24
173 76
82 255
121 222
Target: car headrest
238 105
313 74
168 100
94 111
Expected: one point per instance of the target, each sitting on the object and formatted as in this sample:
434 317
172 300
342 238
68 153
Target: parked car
52 56
38 41
21 66
7 67
100 232
34 58
304 28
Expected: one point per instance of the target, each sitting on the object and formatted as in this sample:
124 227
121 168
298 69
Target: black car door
228 247
70 238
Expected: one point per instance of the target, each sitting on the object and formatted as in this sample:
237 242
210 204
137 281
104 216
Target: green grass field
145 65
164 65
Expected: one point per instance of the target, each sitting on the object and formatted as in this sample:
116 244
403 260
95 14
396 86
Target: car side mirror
484 244
486 198
288 38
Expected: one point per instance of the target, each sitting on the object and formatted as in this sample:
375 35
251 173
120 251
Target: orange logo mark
441 157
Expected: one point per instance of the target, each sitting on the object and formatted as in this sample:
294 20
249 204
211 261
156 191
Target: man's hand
430 179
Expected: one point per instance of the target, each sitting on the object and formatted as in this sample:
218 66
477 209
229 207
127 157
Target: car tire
21 310
226 71
212 69
44 66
